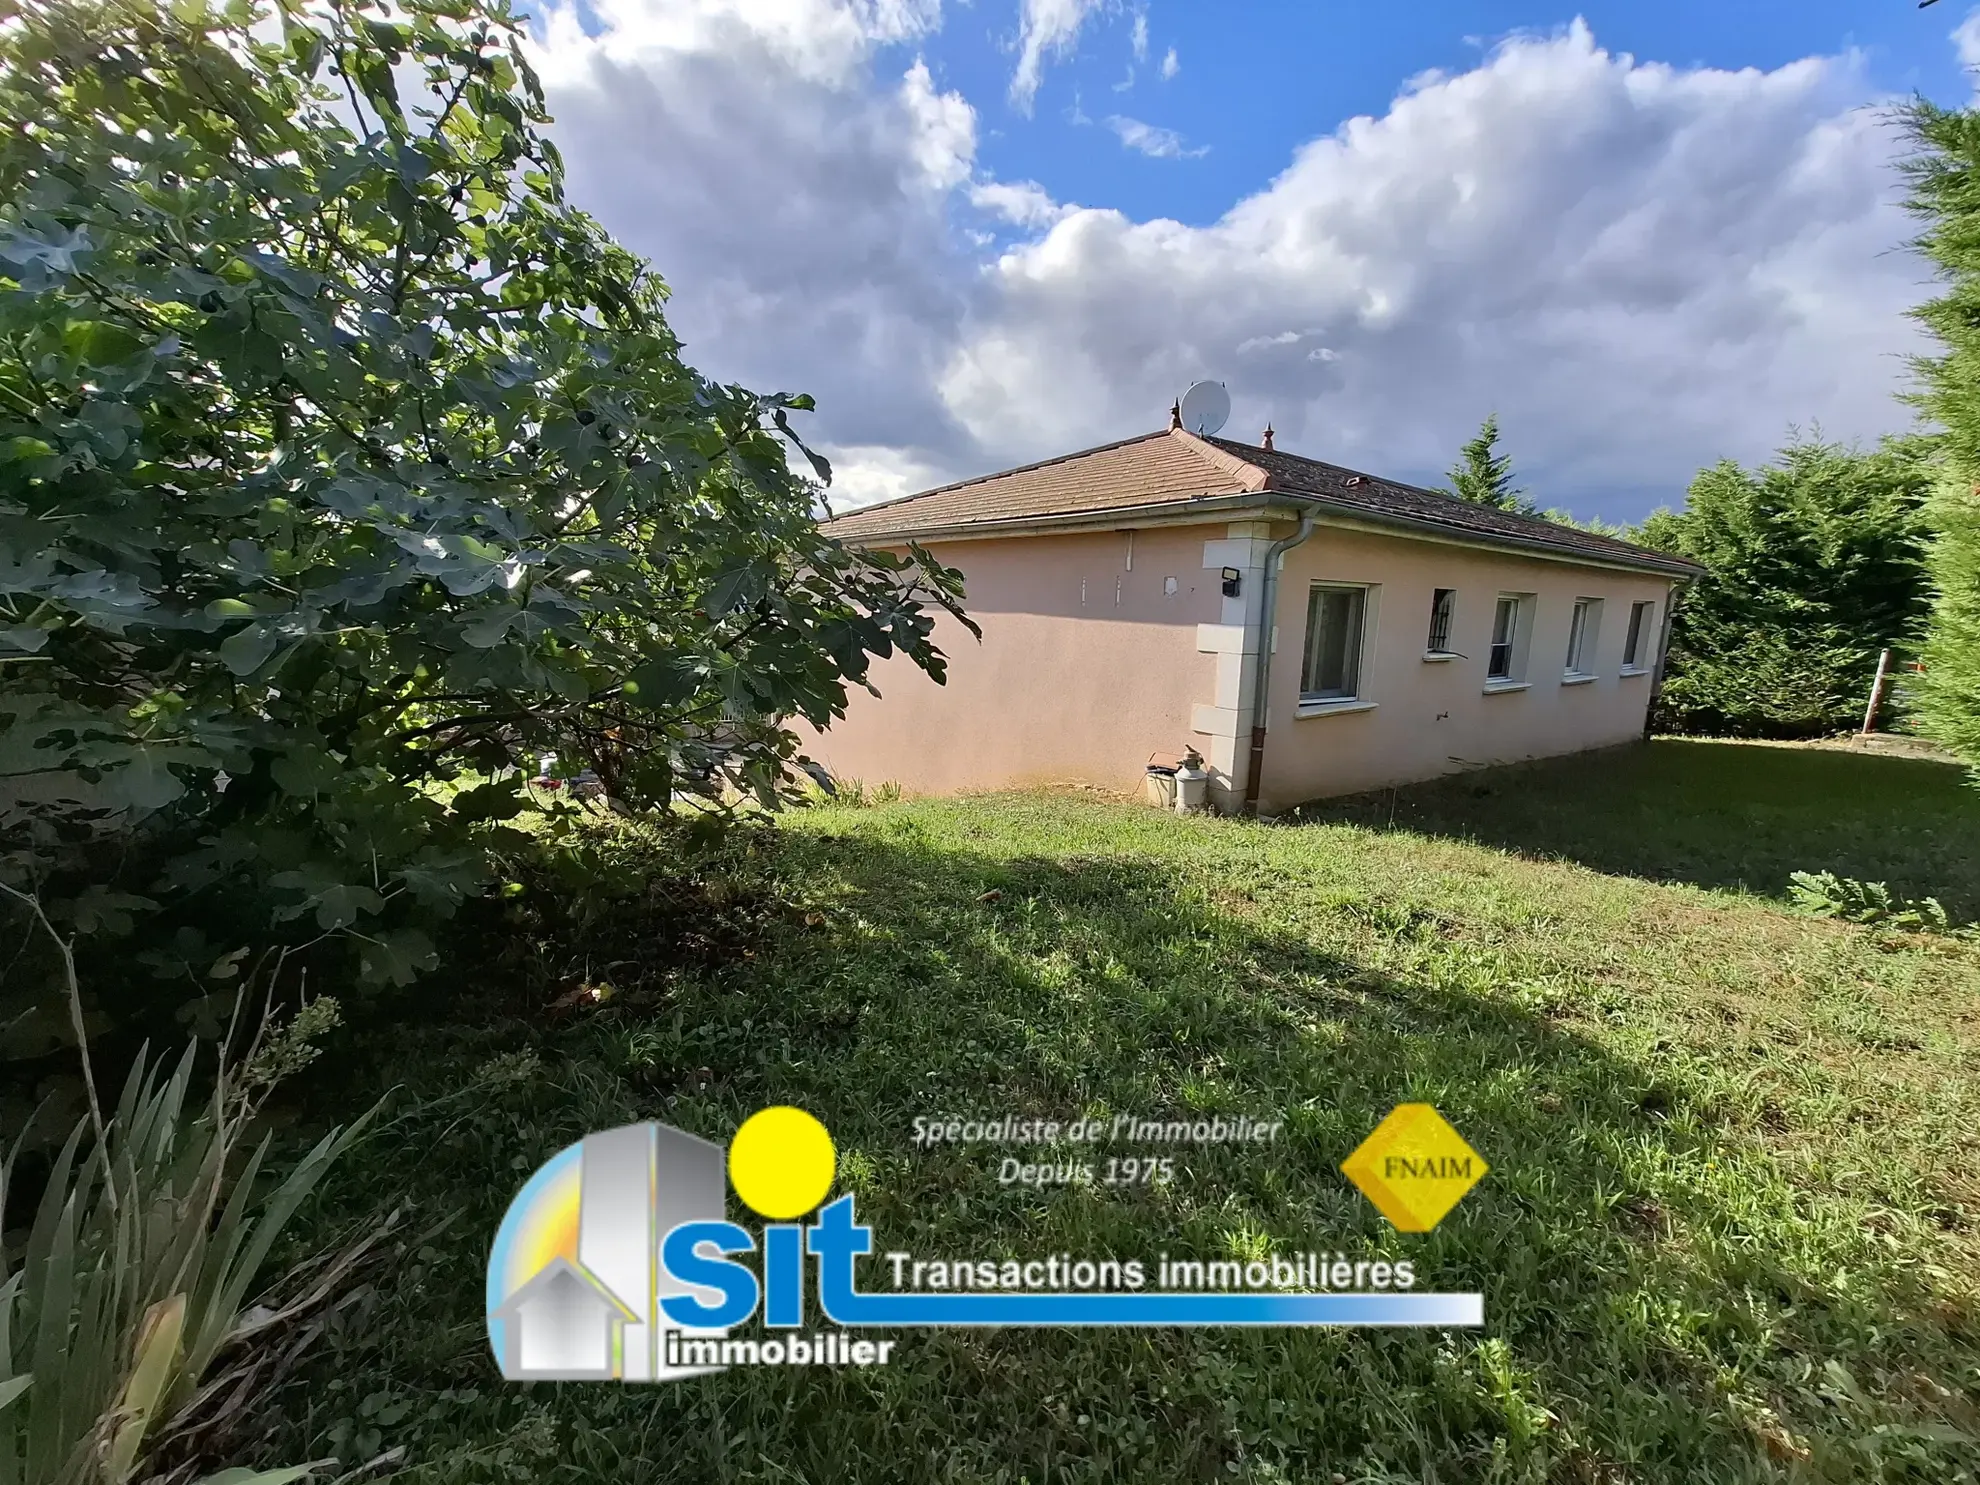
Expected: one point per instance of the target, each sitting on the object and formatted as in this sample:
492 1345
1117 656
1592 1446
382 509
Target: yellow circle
781 1162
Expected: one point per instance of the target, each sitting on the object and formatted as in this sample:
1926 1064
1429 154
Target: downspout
1268 608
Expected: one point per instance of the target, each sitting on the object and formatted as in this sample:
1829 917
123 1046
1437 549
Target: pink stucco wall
1087 665
1433 717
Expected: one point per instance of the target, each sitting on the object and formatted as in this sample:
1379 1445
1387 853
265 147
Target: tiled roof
1149 470
1381 498
1172 466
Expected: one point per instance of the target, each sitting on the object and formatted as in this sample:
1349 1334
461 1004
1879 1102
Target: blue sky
1649 236
1256 78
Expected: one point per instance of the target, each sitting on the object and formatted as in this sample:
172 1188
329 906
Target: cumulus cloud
1140 38
1022 203
862 475
1046 29
1171 64
790 170
941 129
821 40
1966 39
1642 268
1149 139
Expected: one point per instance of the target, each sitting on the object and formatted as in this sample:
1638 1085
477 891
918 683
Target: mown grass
1740 816
1731 1231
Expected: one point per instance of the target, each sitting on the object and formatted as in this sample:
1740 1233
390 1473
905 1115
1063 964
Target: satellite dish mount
1206 406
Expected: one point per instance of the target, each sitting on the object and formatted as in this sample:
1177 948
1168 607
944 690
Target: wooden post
1877 693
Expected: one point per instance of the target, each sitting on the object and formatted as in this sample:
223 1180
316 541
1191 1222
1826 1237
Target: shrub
1813 565
344 464
1823 894
1948 689
1944 175
134 1273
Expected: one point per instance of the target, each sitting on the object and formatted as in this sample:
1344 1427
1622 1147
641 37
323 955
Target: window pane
1639 614
1333 642
1577 635
1505 624
1441 603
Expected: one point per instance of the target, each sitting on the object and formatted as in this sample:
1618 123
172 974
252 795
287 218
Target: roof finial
1175 414
1268 438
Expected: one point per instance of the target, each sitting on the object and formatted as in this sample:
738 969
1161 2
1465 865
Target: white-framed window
1584 638
1443 605
1636 644
1510 616
1336 625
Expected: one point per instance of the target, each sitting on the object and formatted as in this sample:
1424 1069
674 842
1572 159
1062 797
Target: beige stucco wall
1087 665
1429 717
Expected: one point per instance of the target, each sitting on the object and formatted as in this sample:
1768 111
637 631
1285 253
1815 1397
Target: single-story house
1309 630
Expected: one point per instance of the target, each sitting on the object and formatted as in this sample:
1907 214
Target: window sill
1493 688
1440 657
1576 678
1634 670
1333 708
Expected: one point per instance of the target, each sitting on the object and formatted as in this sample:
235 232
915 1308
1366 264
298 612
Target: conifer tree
1945 181
1812 565
1484 476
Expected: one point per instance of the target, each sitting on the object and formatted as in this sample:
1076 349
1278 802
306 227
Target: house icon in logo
562 1325
575 1279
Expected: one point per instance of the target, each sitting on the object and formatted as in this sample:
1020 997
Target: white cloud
1149 139
1966 39
1046 28
942 129
863 475
1138 45
1643 268
791 183
1171 64
1276 344
821 40
1022 203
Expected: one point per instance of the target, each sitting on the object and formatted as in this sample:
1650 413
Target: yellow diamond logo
1414 1167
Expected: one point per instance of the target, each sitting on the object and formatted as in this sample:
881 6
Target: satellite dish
1205 407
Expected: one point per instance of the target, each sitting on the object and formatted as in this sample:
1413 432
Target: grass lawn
1732 1229
1717 814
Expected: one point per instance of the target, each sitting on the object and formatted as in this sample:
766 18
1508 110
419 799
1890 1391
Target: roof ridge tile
1171 468
1229 461
1367 489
